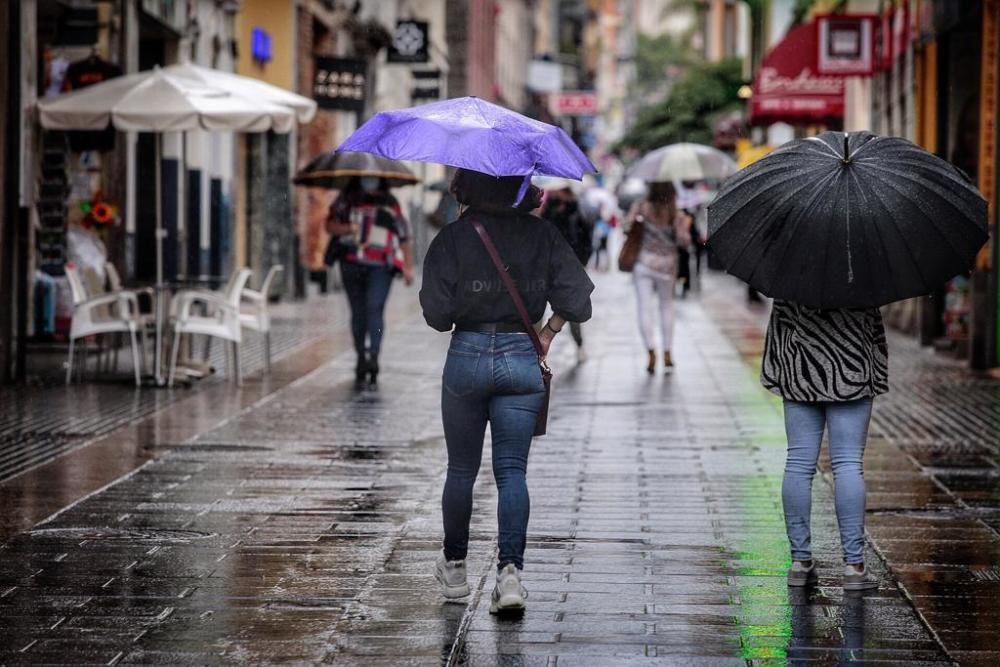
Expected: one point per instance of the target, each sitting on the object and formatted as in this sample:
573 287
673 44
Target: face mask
370 183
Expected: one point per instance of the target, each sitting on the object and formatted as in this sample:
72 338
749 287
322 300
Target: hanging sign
788 88
846 44
410 42
340 83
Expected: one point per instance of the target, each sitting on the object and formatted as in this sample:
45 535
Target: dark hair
662 194
493 193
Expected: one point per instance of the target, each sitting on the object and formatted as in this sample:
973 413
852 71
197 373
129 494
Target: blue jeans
848 426
489 378
367 289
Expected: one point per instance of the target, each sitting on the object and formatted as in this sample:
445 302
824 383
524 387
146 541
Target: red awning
788 89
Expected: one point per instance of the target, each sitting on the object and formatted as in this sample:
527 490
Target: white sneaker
857 579
508 594
452 576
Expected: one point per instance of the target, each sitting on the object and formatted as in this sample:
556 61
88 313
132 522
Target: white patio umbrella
160 100
244 86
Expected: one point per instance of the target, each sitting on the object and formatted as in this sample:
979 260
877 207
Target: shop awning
788 89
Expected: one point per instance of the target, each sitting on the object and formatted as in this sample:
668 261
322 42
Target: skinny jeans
367 289
847 423
654 291
489 379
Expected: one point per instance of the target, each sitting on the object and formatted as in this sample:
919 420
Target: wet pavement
296 520
47 419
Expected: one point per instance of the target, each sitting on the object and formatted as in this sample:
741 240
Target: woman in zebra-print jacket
828 366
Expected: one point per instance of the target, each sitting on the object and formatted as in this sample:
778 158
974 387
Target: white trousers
654 290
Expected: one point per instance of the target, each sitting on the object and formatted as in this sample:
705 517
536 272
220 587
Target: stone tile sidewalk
303 528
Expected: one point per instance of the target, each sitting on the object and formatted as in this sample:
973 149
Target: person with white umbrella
173 100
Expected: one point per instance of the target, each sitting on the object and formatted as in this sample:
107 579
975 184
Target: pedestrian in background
602 234
372 242
492 374
828 366
663 231
562 209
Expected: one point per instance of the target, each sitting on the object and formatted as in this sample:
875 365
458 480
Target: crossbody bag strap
512 290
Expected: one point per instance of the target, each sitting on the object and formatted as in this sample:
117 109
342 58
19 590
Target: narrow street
296 520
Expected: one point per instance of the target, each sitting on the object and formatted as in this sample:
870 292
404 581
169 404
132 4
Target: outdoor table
187 368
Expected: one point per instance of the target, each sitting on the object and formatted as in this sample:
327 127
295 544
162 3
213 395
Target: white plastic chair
147 318
114 312
221 321
255 314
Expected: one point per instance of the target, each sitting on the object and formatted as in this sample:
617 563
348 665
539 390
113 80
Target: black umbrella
847 221
335 169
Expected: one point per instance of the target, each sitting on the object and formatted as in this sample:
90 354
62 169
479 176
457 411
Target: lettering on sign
577 103
804 83
340 83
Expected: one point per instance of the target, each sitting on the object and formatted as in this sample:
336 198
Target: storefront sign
575 103
846 44
788 87
410 42
340 83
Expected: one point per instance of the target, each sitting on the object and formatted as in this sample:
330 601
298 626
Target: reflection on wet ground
299 524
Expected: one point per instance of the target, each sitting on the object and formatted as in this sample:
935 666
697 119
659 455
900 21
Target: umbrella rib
878 232
892 218
905 196
798 220
761 226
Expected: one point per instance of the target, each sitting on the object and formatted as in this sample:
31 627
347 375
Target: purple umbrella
472 134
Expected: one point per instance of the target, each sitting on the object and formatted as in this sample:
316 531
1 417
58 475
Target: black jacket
571 224
461 285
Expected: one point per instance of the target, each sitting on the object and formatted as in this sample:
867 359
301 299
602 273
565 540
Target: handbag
629 254
543 414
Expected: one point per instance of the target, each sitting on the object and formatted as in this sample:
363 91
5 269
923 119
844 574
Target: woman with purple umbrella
487 279
492 373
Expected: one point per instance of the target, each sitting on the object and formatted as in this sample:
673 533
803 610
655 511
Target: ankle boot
373 371
651 364
360 370
668 362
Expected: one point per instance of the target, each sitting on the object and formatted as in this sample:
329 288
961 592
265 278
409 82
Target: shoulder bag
515 296
629 254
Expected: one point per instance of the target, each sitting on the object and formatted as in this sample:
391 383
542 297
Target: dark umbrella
847 221
335 169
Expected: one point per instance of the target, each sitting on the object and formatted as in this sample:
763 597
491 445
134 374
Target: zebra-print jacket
825 355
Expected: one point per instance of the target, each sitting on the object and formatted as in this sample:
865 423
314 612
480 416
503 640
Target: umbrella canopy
684 162
246 88
469 133
160 101
335 169
842 221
